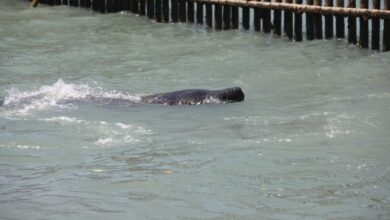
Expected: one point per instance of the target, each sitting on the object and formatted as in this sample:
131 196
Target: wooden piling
209 15
109 6
267 19
318 21
82 3
309 23
351 24
257 19
375 26
150 8
340 31
165 10
89 4
199 12
234 17
363 36
277 20
218 16
226 17
288 22
95 5
245 17
190 11
142 7
134 5
298 23
102 6
112 6
174 10
158 13
74 3
126 5
182 11
329 21
386 28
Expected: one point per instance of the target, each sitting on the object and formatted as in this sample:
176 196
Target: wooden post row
226 17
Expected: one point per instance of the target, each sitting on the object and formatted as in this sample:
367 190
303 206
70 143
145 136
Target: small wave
101 132
63 119
61 95
22 146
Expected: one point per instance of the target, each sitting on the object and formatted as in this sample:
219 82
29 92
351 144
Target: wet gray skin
195 96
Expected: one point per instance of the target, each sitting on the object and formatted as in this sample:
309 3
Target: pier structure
324 19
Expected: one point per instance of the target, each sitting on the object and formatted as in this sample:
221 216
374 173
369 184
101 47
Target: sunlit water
311 140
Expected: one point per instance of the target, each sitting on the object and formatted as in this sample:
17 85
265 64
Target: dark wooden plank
375 25
267 19
340 29
158 13
165 9
288 22
182 11
386 28
234 17
363 36
298 23
190 11
218 16
352 24
245 17
309 23
318 21
199 12
226 17
277 20
209 14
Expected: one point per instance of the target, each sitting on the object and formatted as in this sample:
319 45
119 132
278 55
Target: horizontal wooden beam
304 8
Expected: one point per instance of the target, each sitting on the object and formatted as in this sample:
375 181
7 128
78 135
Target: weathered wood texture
305 8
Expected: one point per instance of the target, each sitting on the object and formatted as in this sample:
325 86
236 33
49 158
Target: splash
61 95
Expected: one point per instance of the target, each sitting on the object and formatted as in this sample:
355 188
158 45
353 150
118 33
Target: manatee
195 96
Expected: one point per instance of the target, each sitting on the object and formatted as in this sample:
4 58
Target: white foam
63 119
104 141
57 94
123 126
22 146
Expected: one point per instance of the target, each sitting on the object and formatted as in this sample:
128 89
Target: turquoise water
311 140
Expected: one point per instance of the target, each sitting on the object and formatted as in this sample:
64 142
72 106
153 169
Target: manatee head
234 94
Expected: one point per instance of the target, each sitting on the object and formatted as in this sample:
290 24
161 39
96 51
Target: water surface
311 140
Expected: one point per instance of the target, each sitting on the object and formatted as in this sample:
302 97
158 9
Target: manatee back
188 96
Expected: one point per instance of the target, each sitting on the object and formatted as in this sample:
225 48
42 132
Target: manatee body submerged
183 97
195 96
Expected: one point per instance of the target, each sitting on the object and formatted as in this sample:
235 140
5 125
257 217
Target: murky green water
311 140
